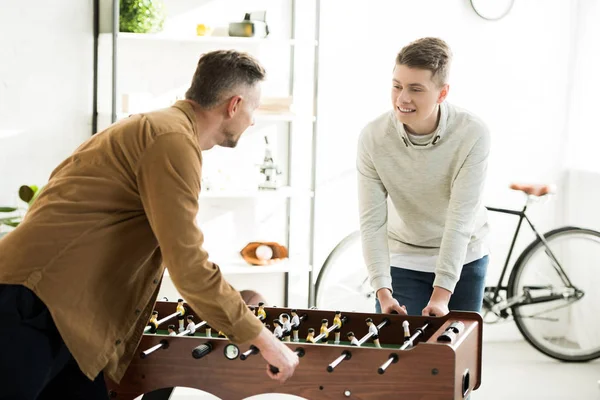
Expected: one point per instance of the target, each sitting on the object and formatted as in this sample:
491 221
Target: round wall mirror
492 10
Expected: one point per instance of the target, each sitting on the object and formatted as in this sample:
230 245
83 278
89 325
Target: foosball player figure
222 335
406 330
310 337
352 339
337 320
181 316
261 313
208 331
295 324
373 329
324 330
191 327
171 329
287 327
278 331
153 323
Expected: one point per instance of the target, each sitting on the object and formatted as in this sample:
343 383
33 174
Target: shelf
259 117
229 40
284 116
284 192
241 267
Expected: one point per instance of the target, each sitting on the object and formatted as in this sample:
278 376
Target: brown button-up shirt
92 245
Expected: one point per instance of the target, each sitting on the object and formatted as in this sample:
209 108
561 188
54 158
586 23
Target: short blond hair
428 53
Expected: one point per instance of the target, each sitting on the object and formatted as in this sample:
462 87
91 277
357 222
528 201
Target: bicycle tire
343 245
518 268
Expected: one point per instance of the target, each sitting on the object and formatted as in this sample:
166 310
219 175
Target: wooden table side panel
411 376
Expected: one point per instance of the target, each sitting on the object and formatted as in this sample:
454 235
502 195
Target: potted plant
28 194
141 16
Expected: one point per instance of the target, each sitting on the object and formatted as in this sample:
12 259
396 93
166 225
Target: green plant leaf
26 193
141 16
8 209
11 221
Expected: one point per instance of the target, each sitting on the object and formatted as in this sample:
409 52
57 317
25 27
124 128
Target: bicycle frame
555 263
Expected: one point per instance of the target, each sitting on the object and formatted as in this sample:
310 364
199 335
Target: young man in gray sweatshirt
421 172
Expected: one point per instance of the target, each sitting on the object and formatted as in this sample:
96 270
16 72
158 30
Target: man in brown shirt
80 275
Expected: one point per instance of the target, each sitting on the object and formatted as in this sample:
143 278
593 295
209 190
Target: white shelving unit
240 267
284 191
225 40
259 117
295 128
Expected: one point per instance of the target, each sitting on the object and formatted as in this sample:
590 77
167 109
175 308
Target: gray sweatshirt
425 199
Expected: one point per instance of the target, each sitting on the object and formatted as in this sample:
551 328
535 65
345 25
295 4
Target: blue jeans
413 289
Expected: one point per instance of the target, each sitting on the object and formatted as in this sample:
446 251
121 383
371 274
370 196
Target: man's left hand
438 303
436 308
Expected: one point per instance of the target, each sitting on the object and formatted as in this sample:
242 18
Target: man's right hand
388 304
276 354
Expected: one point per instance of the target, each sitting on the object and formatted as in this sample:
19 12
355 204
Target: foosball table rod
393 358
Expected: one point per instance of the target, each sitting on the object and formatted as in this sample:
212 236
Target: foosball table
343 355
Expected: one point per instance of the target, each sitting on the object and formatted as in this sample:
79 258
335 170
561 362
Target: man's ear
443 93
233 105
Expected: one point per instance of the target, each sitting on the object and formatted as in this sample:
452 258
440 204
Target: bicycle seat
533 189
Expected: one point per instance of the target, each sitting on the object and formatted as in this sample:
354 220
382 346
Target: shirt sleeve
465 201
168 178
373 213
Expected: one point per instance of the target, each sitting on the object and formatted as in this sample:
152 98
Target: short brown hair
428 53
219 73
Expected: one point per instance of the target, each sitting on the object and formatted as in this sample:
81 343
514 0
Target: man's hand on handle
438 304
388 303
277 355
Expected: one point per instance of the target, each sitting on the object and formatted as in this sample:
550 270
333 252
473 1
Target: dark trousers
414 288
35 363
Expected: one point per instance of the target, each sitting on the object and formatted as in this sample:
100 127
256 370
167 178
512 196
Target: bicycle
557 317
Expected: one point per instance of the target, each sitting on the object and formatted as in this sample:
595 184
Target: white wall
584 138
513 73
46 56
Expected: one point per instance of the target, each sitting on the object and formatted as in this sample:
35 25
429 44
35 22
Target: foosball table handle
202 350
299 351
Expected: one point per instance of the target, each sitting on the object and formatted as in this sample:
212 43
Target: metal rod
313 178
512 246
505 211
346 355
554 261
163 344
331 328
392 360
160 321
394 357
253 350
115 33
96 23
198 325
415 335
368 335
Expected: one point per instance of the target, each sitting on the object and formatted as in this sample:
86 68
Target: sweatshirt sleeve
465 200
373 213
168 178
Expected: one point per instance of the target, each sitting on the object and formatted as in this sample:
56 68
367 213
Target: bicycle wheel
560 316
343 282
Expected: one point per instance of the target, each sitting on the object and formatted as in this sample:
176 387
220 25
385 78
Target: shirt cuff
380 282
447 282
